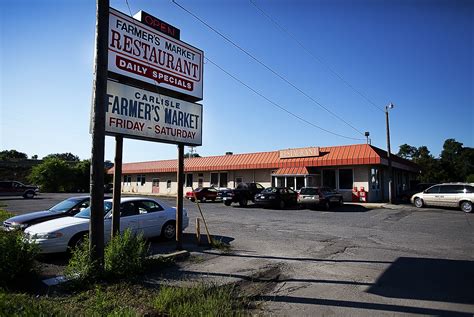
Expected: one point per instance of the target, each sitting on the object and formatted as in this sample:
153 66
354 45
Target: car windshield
270 190
86 213
309 191
65 205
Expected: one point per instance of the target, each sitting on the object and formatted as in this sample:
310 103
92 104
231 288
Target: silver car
458 195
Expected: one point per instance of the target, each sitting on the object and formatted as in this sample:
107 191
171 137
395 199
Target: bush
125 255
16 258
4 215
80 267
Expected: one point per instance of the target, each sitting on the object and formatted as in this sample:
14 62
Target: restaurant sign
140 52
300 152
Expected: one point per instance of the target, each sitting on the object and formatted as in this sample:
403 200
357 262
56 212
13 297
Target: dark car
202 194
278 197
319 197
14 188
65 208
406 195
242 194
224 193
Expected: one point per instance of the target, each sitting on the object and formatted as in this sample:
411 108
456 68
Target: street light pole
389 156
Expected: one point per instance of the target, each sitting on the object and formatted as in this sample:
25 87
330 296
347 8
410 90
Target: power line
316 57
266 66
276 104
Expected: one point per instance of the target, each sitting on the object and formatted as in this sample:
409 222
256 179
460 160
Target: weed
125 255
220 245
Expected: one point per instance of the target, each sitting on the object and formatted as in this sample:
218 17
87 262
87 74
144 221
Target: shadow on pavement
428 279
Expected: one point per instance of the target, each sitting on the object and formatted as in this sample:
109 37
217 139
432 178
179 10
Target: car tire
281 204
29 194
227 202
466 206
243 202
77 240
326 205
418 202
168 231
203 199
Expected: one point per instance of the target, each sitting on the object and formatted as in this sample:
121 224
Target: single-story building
340 167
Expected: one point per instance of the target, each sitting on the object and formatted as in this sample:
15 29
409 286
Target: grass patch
200 300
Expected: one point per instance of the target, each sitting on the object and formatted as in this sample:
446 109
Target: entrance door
155 188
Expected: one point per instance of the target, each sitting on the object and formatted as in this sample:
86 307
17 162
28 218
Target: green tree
12 155
53 175
82 172
68 157
457 161
407 152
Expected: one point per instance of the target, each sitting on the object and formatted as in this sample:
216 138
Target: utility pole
179 198
389 156
96 226
117 185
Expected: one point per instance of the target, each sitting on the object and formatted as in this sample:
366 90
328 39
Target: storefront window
290 182
280 182
299 182
200 180
189 180
127 179
329 178
374 178
140 180
223 179
215 179
345 179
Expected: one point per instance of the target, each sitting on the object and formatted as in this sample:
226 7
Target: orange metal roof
291 171
358 154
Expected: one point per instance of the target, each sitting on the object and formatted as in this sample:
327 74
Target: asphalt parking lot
348 261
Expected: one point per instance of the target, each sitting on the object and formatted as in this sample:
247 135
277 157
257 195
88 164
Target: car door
129 216
151 218
431 196
449 195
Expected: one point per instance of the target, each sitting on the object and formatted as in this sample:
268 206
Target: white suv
460 195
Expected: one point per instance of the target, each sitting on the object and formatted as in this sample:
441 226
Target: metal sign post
179 198
117 185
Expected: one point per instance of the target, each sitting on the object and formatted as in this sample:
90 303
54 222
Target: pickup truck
242 194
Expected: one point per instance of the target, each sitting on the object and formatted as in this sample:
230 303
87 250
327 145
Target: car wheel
168 231
203 199
227 202
77 241
281 205
29 195
326 205
418 202
243 202
466 206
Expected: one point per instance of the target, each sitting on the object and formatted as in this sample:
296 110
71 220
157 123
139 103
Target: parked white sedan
151 217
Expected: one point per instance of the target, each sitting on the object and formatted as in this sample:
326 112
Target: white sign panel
141 114
140 52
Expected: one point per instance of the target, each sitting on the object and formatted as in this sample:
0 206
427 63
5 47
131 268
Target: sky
415 54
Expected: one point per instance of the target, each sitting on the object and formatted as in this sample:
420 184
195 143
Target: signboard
140 52
142 114
301 152
157 24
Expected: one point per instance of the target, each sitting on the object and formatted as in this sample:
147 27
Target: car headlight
47 235
14 226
